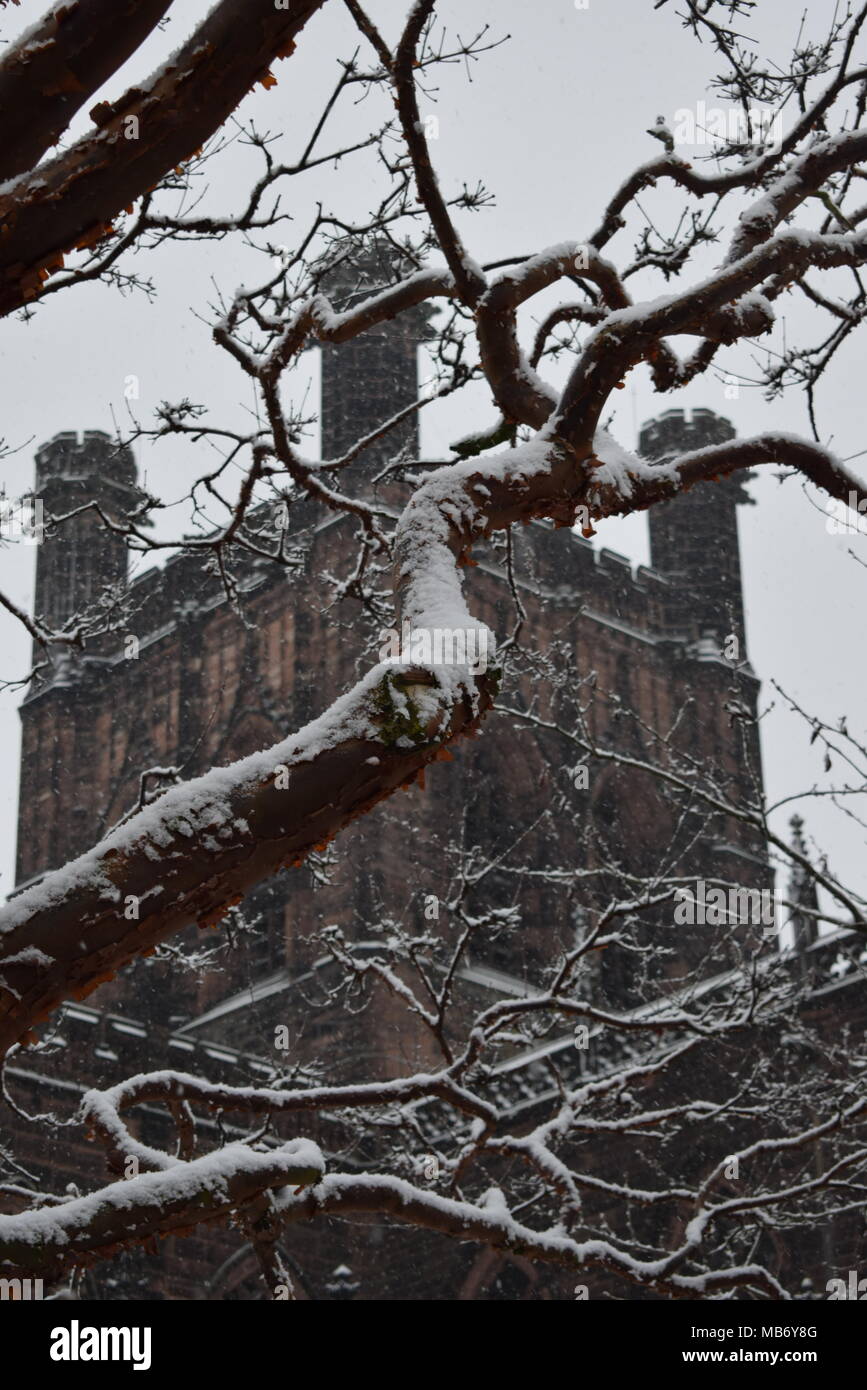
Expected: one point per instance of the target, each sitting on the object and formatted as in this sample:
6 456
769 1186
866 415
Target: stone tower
81 557
694 538
371 377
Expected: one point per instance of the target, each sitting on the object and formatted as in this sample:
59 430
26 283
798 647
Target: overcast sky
551 121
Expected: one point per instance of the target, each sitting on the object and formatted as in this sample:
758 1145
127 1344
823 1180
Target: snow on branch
153 1204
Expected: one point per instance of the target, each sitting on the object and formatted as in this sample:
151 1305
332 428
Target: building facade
188 679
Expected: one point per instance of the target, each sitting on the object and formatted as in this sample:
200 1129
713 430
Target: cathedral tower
694 537
372 377
81 557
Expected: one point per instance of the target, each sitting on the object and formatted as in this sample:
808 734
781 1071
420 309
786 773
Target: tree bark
72 200
54 67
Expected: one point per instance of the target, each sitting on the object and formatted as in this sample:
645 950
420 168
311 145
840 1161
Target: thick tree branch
617 493
57 64
169 1202
73 199
215 838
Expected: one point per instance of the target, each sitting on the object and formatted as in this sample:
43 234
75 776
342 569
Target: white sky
551 122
